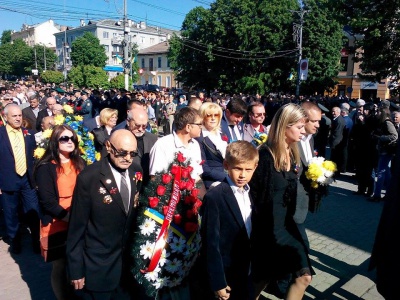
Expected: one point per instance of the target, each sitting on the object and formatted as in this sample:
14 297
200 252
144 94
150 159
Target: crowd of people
255 196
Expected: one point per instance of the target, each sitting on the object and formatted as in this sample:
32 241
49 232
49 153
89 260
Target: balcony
119 53
117 41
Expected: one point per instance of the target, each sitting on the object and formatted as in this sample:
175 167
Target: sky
163 13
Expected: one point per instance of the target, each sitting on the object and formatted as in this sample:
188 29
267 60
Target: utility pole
44 54
35 58
298 38
126 47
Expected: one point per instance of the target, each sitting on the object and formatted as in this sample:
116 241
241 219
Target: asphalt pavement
341 235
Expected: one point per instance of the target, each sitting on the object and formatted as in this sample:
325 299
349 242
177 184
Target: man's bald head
47 122
57 109
122 147
195 103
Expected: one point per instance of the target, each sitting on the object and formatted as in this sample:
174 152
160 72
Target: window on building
105 34
143 64
116 48
152 41
151 64
344 60
115 34
159 63
168 63
159 80
106 48
142 40
168 81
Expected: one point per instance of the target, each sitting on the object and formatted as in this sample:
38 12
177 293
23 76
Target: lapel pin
108 181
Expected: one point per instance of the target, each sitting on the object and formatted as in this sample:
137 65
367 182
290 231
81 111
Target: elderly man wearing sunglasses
102 216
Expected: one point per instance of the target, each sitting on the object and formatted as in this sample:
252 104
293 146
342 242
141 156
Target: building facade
349 83
39 34
154 66
111 36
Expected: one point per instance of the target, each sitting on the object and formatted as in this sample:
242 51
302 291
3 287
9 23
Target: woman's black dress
278 248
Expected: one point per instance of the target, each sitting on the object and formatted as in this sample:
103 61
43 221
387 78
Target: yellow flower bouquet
320 172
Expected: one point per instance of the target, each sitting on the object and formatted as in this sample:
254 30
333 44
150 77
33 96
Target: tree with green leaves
88 76
16 58
118 82
247 45
375 25
86 50
5 37
52 76
43 52
322 42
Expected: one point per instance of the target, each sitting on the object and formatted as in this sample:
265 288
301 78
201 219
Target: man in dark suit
132 104
306 150
336 140
31 112
48 111
385 255
16 180
137 124
232 120
102 214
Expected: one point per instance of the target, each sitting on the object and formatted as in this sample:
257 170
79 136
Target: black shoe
15 246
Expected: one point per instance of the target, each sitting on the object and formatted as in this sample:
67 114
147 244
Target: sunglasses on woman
65 138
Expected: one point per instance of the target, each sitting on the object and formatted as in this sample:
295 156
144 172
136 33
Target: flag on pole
304 69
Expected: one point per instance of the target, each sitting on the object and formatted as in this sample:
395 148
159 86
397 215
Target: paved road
341 236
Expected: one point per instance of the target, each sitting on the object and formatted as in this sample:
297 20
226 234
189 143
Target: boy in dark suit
226 227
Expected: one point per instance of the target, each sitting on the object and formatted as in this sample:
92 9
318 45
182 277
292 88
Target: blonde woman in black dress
278 248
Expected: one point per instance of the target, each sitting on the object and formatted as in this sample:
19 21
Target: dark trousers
10 202
117 294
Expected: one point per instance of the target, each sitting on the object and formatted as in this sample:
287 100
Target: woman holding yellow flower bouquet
55 175
278 247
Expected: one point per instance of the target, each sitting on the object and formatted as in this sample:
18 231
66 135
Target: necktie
19 155
124 192
234 137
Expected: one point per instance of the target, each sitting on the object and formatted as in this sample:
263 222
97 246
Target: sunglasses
137 126
259 115
212 115
122 153
65 138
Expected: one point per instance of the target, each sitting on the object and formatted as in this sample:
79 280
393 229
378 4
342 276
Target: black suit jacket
99 230
337 128
143 158
43 113
49 200
225 252
8 175
385 256
29 115
100 137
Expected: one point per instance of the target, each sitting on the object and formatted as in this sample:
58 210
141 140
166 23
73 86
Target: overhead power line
234 55
42 10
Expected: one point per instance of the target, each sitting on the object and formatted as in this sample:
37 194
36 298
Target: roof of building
155 49
135 26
